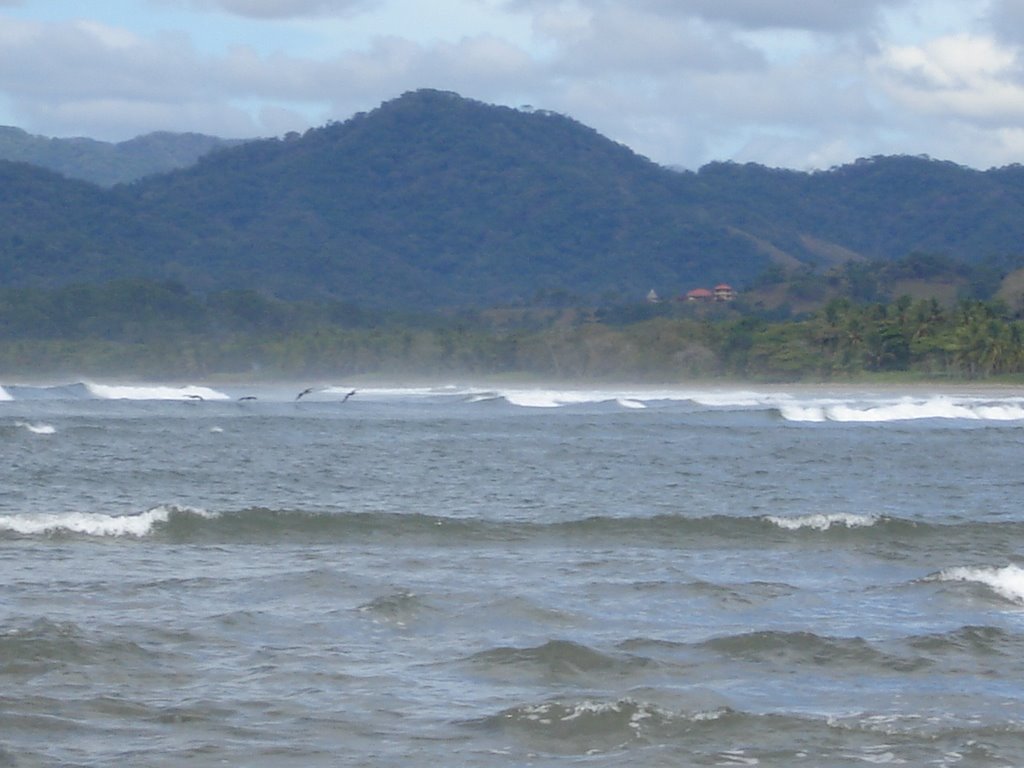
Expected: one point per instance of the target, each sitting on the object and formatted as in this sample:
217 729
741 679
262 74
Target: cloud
796 84
277 9
686 82
79 59
811 15
625 40
959 76
87 78
1007 19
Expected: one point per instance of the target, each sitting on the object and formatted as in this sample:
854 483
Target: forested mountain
105 163
433 200
877 208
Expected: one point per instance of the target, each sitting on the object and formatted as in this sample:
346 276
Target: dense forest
161 330
434 202
437 235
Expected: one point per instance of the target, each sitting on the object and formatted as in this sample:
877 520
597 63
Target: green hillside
105 163
434 201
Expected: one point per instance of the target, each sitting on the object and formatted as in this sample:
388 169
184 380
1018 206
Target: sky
804 84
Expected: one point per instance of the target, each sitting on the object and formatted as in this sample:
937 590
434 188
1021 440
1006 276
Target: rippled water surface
464 576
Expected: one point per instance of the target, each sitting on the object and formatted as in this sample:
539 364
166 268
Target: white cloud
798 83
86 78
962 76
79 59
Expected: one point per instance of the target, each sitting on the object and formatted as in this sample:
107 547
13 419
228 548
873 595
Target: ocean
481 576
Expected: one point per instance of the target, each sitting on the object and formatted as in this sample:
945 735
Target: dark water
465 577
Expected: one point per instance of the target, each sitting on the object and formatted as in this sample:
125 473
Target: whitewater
482 574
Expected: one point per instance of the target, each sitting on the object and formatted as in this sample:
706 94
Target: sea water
473 576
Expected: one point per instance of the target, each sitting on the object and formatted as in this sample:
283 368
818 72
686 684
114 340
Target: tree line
159 329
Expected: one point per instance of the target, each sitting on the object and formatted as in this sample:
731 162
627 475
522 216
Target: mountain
105 163
433 200
876 208
438 199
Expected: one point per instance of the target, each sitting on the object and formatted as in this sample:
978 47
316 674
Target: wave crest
93 524
153 392
261 524
824 522
587 725
557 658
808 648
37 429
45 645
1007 582
905 409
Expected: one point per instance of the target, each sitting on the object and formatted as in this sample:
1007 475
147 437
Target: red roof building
699 294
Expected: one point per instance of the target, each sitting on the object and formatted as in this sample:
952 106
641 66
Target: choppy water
469 577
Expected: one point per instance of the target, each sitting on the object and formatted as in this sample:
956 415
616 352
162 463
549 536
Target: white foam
823 522
629 402
1007 581
37 429
399 391
5 395
90 524
877 410
808 413
808 405
525 397
736 398
557 398
547 398
154 392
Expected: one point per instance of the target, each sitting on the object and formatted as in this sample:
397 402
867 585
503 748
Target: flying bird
346 397
195 397
305 392
247 397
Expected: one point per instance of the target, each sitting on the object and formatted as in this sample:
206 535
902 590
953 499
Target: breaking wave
1007 582
37 428
260 524
154 392
823 522
974 409
96 391
807 406
90 524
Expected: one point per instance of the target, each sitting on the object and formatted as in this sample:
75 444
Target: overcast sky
789 83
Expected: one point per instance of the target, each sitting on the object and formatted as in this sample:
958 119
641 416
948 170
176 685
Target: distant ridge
105 163
433 200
